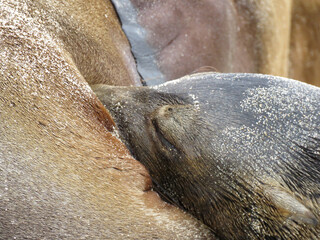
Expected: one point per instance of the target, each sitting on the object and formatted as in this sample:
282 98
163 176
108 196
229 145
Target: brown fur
63 174
272 34
90 33
305 38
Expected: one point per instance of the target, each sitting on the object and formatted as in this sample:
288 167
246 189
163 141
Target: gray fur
240 152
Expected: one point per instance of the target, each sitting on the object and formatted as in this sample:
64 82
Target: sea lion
241 152
63 173
304 52
171 39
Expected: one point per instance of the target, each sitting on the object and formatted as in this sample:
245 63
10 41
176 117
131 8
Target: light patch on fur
28 47
294 107
195 77
282 112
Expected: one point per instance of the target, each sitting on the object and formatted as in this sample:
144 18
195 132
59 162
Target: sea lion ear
290 207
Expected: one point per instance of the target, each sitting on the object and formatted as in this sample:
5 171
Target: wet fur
238 151
63 174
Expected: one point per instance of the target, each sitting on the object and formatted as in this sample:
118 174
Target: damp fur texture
240 152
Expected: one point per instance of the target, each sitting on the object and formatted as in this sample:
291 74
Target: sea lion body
241 152
63 174
171 39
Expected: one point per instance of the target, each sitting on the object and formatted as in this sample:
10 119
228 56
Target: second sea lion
241 152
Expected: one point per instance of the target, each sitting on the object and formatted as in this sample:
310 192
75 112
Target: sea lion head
234 150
